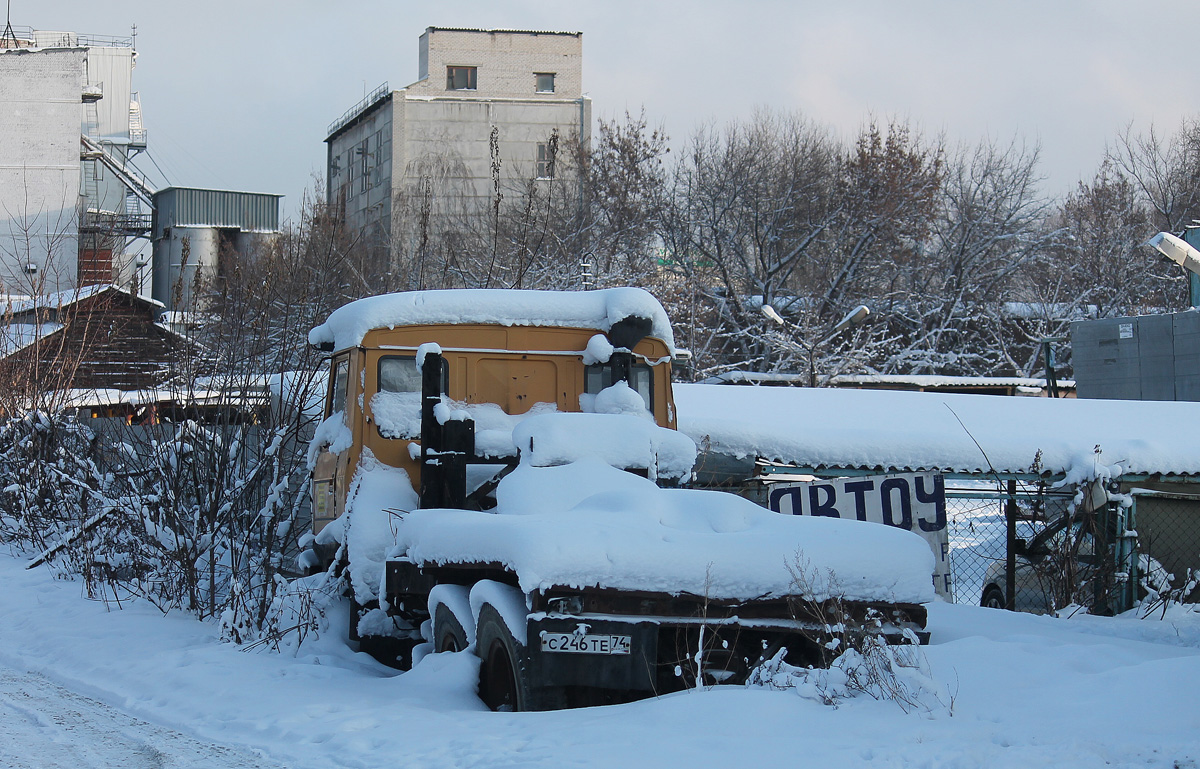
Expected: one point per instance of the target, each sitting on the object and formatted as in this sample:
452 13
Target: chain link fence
978 537
1168 535
1082 559
1104 554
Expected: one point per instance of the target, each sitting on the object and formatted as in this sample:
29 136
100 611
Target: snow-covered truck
499 471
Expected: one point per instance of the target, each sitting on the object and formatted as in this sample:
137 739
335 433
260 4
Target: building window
545 160
461 78
364 154
545 82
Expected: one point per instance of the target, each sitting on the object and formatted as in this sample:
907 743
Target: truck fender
457 599
508 601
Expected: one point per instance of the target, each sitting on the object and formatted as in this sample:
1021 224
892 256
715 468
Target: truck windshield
396 406
399 374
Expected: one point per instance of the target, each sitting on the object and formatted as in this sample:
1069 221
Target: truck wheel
504 672
993 598
448 632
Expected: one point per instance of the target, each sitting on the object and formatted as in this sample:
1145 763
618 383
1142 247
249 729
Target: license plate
585 643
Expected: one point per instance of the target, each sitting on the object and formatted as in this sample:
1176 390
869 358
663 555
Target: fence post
1010 563
1127 559
1103 586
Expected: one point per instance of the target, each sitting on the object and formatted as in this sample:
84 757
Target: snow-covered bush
201 507
872 666
51 485
1160 587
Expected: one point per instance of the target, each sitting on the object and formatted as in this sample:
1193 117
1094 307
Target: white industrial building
481 96
69 122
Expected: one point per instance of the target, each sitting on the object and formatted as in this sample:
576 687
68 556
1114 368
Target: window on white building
545 161
461 78
544 82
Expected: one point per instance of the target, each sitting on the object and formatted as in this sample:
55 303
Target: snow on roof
98 396
587 524
1051 310
17 305
18 336
912 380
254 392
939 380
903 431
598 310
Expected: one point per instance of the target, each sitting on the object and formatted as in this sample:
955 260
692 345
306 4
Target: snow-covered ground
1018 691
46 725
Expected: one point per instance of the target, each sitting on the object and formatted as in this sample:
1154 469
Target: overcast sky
237 95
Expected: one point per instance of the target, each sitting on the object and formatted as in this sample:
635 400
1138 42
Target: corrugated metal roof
197 207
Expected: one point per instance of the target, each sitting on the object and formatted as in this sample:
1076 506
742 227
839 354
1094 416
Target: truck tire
448 632
504 673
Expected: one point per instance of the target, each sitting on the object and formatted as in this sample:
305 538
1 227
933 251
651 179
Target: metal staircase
137 133
91 130
134 182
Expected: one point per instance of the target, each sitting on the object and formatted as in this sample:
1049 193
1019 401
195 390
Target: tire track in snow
45 726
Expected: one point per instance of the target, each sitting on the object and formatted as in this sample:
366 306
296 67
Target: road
46 726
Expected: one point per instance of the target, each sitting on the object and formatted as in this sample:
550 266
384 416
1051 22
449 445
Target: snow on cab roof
898 431
598 310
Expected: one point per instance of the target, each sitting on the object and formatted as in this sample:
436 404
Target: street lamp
1177 250
1182 253
852 318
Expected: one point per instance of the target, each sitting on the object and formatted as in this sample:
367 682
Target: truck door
328 494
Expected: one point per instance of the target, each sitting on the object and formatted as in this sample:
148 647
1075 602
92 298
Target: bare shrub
861 658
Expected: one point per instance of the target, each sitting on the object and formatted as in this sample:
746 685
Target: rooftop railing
27 37
358 109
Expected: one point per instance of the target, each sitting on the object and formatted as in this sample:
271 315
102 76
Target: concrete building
69 122
195 228
481 96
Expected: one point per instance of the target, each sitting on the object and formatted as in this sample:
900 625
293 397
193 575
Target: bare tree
1104 260
750 206
624 200
988 230
1165 170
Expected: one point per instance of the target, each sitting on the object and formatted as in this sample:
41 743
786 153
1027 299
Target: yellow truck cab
508 349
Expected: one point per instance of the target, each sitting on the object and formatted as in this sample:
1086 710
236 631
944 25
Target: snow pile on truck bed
619 440
598 310
900 431
589 525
